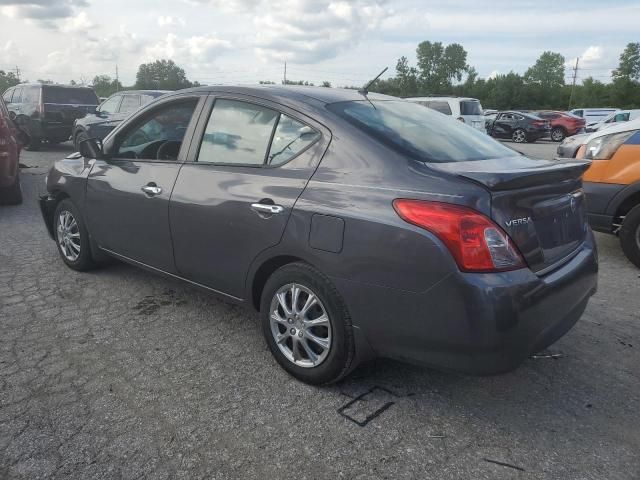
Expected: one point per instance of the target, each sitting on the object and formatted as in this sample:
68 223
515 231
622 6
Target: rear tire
13 194
519 136
71 236
558 134
630 236
314 345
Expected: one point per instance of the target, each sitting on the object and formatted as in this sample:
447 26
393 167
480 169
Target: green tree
326 84
267 82
407 78
548 71
105 86
629 66
7 80
438 66
162 75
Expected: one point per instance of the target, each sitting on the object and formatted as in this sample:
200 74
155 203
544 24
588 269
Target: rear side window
470 107
66 95
418 132
17 96
130 103
31 95
442 107
237 133
111 104
291 137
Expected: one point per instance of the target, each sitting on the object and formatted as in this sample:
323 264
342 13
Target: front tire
72 237
630 236
306 325
519 136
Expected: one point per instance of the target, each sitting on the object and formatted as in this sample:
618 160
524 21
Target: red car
10 145
563 124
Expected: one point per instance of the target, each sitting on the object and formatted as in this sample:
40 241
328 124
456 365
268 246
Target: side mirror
91 148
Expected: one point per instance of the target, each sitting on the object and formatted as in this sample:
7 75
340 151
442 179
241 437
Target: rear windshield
470 107
420 133
65 95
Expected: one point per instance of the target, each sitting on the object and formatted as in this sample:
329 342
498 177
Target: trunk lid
539 203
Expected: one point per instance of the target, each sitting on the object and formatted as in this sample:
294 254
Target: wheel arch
264 271
49 207
625 200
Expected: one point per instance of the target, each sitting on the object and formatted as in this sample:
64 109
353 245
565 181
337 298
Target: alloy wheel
519 136
300 325
556 135
68 234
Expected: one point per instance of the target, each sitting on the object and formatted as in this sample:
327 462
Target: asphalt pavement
118 373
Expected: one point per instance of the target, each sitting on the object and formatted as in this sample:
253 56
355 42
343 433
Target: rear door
249 162
127 199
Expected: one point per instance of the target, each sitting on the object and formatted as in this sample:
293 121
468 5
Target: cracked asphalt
119 373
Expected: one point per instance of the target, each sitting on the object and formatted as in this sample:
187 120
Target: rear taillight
475 241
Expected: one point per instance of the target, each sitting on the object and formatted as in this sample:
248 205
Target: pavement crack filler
367 406
504 464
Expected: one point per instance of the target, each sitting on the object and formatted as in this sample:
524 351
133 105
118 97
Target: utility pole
18 73
285 74
573 84
117 80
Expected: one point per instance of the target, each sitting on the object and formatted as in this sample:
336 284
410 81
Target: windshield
470 107
66 95
419 132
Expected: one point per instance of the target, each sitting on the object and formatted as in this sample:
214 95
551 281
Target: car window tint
31 95
68 95
110 105
290 138
470 107
442 107
129 103
419 133
163 129
237 132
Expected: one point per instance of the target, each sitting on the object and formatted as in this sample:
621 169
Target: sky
344 42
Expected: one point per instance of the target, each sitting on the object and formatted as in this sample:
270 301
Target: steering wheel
168 150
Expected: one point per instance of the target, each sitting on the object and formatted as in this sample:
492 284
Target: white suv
467 110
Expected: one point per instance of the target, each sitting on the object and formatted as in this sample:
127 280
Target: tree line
443 70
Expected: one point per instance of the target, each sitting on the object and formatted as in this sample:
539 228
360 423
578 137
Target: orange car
612 184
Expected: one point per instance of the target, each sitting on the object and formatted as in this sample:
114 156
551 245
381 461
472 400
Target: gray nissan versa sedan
359 225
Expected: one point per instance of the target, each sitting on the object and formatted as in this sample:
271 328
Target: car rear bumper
476 323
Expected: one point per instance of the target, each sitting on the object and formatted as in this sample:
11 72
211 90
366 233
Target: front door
249 162
503 126
128 193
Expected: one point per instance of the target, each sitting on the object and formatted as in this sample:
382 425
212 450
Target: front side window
31 95
17 96
129 103
237 133
621 117
160 136
7 96
110 105
419 133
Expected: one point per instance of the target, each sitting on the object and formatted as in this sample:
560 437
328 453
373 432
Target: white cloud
78 23
196 50
169 21
45 13
493 74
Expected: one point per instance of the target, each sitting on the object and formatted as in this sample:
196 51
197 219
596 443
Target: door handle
151 189
266 208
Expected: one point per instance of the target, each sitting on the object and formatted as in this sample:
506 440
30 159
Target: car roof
292 93
57 85
143 92
623 127
436 97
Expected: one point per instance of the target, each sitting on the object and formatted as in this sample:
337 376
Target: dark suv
110 113
47 112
